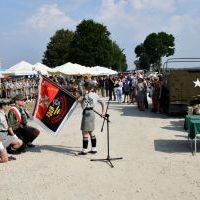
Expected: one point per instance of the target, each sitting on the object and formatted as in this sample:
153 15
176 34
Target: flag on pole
53 106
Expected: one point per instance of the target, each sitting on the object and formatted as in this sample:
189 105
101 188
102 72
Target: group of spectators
135 88
129 88
10 87
124 88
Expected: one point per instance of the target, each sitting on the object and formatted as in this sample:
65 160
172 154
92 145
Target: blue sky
27 25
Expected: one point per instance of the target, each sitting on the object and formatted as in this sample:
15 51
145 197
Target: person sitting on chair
17 117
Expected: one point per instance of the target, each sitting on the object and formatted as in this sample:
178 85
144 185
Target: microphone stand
108 159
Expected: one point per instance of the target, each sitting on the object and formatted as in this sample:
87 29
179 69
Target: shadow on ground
66 150
132 111
173 146
71 151
175 126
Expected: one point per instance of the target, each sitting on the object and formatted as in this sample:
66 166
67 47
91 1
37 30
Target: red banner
53 106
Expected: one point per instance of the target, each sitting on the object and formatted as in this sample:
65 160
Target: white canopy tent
24 68
21 69
98 71
43 69
76 69
72 69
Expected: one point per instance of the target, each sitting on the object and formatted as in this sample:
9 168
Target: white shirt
1 146
90 100
3 122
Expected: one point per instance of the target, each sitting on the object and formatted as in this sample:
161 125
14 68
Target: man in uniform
7 136
17 117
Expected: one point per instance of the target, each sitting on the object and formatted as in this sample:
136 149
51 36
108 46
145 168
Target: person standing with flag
90 99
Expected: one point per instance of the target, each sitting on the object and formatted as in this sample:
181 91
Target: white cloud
124 19
160 5
50 17
130 21
110 9
126 24
186 30
179 24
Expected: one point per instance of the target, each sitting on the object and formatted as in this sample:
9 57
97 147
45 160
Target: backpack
126 85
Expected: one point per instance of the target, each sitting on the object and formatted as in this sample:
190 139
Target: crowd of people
123 88
12 86
130 88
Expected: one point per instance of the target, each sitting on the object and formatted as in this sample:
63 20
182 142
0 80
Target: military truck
183 86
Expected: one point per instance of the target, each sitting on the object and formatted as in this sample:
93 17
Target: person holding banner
17 117
90 98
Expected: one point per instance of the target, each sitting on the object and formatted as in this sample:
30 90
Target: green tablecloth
192 125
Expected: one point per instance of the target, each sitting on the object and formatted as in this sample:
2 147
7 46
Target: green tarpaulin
192 125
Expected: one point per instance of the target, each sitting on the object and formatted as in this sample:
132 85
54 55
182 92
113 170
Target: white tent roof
72 69
21 68
76 69
43 69
103 71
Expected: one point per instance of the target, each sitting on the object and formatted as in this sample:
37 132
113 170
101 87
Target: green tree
92 46
89 45
124 65
143 62
58 49
156 45
118 58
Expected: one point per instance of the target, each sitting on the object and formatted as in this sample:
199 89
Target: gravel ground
157 162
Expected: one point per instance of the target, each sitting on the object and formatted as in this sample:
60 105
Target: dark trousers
27 134
146 102
111 93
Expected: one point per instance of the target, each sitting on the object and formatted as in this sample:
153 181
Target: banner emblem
53 106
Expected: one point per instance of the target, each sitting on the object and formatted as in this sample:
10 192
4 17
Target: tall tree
89 45
118 58
92 46
58 49
156 45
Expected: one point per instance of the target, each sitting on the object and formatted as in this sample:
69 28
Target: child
88 119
